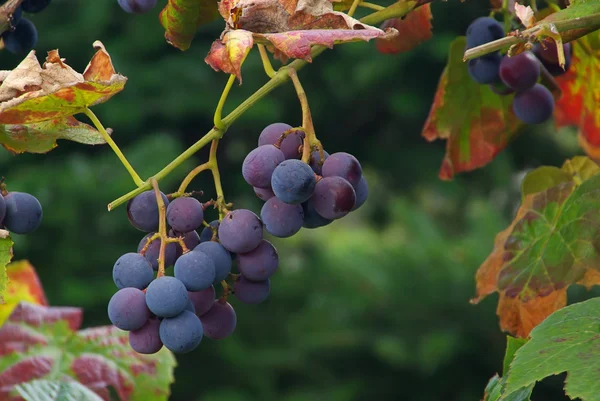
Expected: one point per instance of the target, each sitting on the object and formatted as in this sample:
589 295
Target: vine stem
396 10
162 228
136 178
264 56
307 123
353 7
191 175
218 121
372 6
214 168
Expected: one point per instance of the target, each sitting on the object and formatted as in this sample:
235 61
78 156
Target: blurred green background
373 307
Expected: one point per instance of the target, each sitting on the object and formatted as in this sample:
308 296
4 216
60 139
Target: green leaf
181 19
6 254
567 341
493 390
512 346
45 390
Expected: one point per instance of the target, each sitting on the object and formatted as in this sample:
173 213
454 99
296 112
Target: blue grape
312 219
202 300
362 193
153 251
520 72
281 219
482 31
142 211
2 210
315 161
343 165
166 296
260 263
146 340
264 193
220 321
535 105
191 240
16 16
185 214
240 231
220 257
289 146
127 309
23 213
293 181
259 165
485 70
195 270
334 197
252 292
207 232
22 39
181 333
132 270
137 6
34 6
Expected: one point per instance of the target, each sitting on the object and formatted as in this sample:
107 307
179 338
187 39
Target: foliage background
371 307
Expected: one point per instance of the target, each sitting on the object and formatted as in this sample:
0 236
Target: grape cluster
137 6
20 212
23 36
533 103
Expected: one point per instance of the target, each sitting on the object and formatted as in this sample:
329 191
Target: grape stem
6 12
218 121
372 6
264 56
353 7
162 227
148 242
310 138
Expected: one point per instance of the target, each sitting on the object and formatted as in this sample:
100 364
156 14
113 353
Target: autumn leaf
181 19
413 30
23 285
229 53
551 244
476 123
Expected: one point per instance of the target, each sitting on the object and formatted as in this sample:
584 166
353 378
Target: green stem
218 121
266 61
353 8
372 6
214 168
136 178
191 175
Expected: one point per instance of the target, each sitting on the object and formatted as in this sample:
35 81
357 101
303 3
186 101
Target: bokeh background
373 307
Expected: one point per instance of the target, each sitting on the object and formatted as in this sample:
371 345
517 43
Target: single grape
220 321
549 57
264 193
153 251
240 231
34 6
259 165
142 211
334 197
293 181
520 72
251 292
127 309
534 106
132 270
22 39
290 146
312 219
260 263
343 165
146 340
220 257
281 219
315 161
482 31
181 333
362 193
137 6
166 296
191 240
2 210
202 300
23 213
185 214
207 233
485 70
195 270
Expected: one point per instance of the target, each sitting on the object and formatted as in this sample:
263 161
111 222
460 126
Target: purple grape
240 231
22 39
181 333
146 340
260 263
2 210
549 57
202 300
289 146
142 211
259 165
23 213
343 165
312 219
153 251
485 70
207 233
137 6
281 219
191 240
315 161
252 292
132 270
220 257
185 214
264 193
220 321
34 6
535 105
520 72
334 197
166 297
195 270
362 193
127 309
483 30
293 181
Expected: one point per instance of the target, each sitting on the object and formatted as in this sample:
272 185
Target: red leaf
37 315
27 369
18 338
98 374
228 54
413 30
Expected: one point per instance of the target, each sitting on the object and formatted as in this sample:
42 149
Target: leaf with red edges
413 30
23 285
181 19
228 54
476 122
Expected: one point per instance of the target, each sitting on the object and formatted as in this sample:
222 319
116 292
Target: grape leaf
567 341
228 54
39 342
494 388
413 30
576 9
23 285
31 93
551 244
45 390
181 19
476 123
6 254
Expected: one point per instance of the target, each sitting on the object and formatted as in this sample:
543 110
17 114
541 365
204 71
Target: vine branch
264 56
218 121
